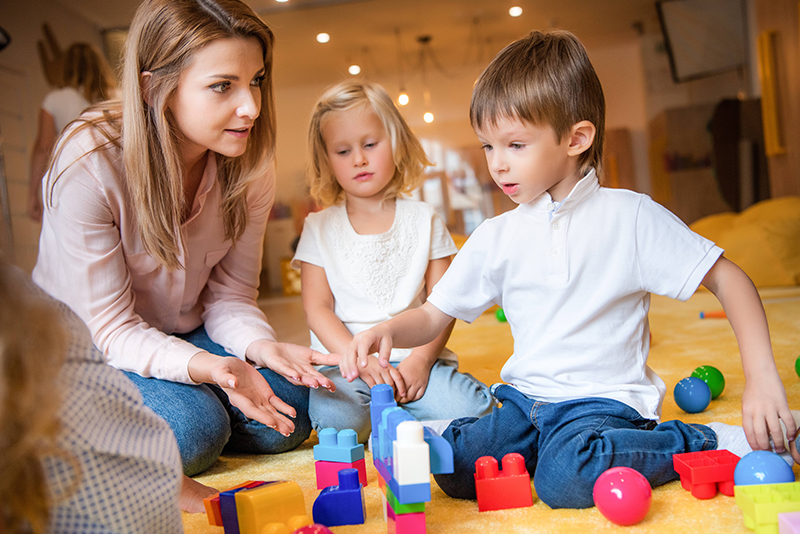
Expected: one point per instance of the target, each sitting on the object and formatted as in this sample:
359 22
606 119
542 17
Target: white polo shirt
576 288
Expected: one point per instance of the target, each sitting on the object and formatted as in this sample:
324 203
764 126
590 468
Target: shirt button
554 252
550 206
555 226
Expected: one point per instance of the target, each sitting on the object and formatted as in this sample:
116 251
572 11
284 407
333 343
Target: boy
573 268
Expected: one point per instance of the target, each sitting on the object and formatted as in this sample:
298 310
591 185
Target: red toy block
327 472
405 523
212 503
501 490
703 472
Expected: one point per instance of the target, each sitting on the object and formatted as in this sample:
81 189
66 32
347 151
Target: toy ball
316 528
797 366
762 467
692 395
501 315
622 495
711 376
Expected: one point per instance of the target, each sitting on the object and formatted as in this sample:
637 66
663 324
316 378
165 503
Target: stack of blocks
341 475
405 454
763 504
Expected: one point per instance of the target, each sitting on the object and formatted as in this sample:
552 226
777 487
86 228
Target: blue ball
692 395
762 467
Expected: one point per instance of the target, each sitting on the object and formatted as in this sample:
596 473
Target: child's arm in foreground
416 368
319 307
764 402
412 328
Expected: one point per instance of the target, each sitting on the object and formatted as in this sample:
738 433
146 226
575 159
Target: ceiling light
428 117
354 69
402 99
282 1
323 37
515 11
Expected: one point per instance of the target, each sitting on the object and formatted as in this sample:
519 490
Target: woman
155 214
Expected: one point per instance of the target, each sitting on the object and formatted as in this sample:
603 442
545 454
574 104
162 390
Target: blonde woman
155 213
88 79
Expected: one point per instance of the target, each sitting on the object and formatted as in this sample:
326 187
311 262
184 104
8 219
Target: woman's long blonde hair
86 69
163 38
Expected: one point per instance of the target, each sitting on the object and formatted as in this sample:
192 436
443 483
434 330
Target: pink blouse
91 258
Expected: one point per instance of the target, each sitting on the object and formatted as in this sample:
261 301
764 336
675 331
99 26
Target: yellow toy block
761 504
272 508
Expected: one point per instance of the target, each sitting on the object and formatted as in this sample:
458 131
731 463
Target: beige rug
681 342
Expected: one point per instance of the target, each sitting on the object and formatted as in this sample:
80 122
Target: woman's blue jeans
204 421
567 445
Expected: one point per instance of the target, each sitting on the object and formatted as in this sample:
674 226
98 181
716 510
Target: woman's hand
294 362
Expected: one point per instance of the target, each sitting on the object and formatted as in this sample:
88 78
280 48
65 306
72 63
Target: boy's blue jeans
567 445
204 421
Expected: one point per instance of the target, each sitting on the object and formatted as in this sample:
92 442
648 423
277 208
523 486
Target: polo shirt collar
582 190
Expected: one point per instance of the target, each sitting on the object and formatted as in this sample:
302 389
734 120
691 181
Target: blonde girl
156 208
371 254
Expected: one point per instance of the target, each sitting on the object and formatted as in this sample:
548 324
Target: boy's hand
363 345
763 407
415 372
374 374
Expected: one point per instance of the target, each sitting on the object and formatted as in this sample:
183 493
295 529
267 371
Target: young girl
154 236
372 254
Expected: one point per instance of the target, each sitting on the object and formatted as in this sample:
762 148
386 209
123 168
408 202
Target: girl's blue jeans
204 421
567 445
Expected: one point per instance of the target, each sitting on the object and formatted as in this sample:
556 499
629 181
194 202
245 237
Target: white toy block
412 460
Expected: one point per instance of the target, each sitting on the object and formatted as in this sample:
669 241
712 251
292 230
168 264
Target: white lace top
374 277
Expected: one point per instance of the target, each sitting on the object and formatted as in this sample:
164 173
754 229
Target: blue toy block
441 453
382 398
339 446
389 417
410 493
342 504
227 506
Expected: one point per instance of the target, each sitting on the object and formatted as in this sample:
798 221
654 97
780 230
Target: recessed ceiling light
323 37
281 1
354 69
428 117
515 11
402 99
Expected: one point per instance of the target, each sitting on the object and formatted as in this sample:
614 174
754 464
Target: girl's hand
763 407
415 372
248 391
360 349
373 374
294 362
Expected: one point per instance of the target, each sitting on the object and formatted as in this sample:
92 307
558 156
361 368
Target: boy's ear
581 137
144 85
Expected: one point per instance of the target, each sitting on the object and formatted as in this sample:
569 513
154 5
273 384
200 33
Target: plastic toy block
761 504
789 523
327 472
279 504
703 472
342 504
410 493
399 508
411 455
339 446
211 504
382 398
405 523
227 507
441 453
502 490
389 420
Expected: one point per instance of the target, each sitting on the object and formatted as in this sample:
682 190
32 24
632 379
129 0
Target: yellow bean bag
764 240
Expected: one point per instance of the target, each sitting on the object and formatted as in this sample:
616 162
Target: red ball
622 495
316 528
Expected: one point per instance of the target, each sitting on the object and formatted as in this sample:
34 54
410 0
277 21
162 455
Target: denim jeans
449 395
204 421
567 445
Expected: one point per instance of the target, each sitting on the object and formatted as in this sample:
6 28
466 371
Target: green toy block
761 504
402 508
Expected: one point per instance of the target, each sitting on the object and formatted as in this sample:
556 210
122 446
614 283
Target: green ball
501 315
797 366
711 376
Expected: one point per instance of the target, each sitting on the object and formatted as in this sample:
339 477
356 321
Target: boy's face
526 160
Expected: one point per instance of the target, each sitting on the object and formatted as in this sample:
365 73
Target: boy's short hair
545 78
409 156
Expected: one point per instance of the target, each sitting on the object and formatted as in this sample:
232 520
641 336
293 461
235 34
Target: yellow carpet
681 342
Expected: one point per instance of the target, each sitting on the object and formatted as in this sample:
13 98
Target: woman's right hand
246 389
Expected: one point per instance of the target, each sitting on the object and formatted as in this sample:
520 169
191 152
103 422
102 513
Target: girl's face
219 97
360 151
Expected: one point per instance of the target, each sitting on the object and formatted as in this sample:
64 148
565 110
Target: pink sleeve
231 314
81 262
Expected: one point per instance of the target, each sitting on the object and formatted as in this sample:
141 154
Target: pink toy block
789 523
502 490
327 472
405 523
703 472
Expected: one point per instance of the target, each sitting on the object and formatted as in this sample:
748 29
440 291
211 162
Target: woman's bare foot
192 495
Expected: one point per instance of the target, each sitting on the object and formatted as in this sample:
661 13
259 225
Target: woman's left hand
293 362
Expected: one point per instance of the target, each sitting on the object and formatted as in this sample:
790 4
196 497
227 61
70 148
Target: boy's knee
564 490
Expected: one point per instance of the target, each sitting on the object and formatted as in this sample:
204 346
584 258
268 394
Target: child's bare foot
192 495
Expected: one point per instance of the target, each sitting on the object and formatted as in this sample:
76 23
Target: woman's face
219 97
